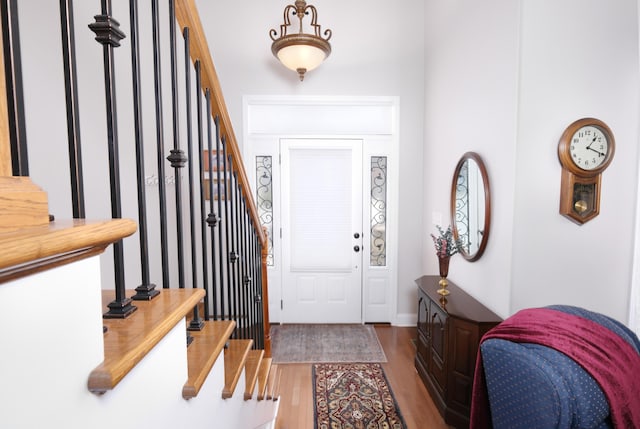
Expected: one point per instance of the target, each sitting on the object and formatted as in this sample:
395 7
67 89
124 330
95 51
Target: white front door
321 230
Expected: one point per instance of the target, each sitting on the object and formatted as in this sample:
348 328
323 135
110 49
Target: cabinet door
464 339
423 315
438 349
422 340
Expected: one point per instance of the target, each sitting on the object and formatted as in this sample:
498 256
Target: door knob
356 248
356 235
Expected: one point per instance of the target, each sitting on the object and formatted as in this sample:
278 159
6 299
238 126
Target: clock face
589 147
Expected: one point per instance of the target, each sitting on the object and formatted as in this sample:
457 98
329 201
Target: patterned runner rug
325 343
354 396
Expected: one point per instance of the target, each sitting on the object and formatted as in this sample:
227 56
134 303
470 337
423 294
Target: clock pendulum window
585 150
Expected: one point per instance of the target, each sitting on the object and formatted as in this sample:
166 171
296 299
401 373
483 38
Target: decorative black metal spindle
177 158
251 269
246 263
109 35
249 273
73 116
259 288
146 291
221 185
191 172
15 96
227 222
259 292
157 86
243 293
212 218
233 254
203 213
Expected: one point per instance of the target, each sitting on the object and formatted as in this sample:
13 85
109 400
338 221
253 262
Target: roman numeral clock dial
585 150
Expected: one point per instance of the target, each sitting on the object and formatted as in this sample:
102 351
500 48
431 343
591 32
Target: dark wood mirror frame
472 156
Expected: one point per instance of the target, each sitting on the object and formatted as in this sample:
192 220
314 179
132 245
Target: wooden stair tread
251 368
203 352
29 250
263 378
128 340
235 356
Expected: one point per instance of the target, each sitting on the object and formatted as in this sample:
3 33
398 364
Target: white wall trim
406 320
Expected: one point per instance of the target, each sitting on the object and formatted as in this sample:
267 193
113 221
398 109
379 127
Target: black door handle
356 235
356 248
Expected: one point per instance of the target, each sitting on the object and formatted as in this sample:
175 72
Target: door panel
321 212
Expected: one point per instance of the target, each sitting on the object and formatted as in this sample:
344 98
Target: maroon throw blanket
609 359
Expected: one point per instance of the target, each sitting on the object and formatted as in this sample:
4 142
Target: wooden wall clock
585 150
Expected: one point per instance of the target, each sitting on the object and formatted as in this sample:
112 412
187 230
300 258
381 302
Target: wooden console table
449 333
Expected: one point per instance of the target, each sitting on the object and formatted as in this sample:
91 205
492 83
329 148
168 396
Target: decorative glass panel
264 199
378 211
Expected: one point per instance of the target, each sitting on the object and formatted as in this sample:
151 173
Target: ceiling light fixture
301 52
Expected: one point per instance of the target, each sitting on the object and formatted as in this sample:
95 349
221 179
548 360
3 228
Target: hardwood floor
416 406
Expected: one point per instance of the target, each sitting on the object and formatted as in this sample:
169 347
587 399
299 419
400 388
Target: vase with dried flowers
446 246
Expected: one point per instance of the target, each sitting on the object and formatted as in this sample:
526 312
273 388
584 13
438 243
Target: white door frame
375 120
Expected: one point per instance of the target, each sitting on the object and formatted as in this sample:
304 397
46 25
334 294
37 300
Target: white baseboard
405 319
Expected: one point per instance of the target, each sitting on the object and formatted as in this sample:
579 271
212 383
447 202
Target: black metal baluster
200 149
233 254
177 157
229 228
240 263
146 291
247 269
157 86
255 297
259 288
228 222
251 277
196 323
248 287
222 195
246 280
212 219
15 95
109 35
239 255
73 116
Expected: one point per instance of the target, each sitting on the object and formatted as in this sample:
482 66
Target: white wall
508 77
471 72
590 70
377 51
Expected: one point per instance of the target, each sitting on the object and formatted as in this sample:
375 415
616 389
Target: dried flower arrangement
446 244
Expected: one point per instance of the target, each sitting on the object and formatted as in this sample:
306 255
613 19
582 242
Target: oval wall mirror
471 206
